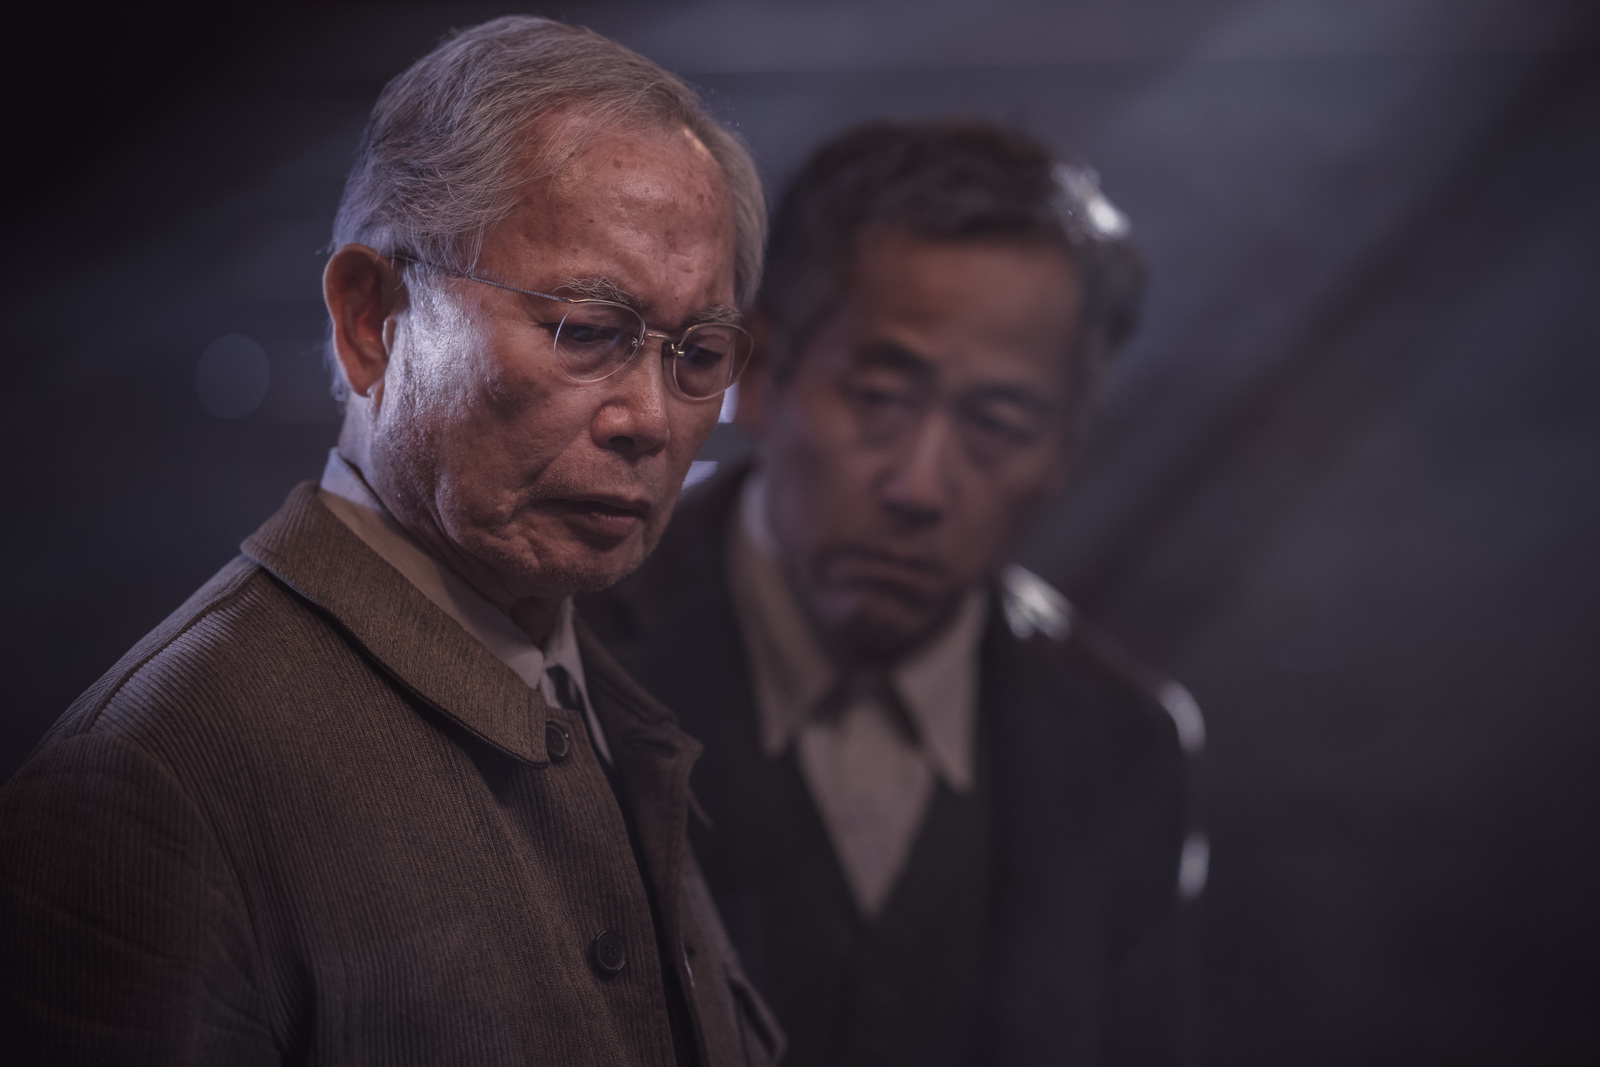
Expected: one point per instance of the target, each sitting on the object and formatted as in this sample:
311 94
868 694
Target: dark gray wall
1346 486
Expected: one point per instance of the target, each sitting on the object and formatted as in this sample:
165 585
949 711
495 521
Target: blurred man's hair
947 180
454 140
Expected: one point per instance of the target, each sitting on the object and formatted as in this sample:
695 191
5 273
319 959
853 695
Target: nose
633 420
919 486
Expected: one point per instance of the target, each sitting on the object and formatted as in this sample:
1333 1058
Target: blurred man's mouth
894 572
879 603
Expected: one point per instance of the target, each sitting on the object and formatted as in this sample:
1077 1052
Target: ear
364 293
755 384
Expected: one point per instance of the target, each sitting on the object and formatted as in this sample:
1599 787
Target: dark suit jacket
1087 785
308 819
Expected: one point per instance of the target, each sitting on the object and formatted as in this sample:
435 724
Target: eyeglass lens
595 339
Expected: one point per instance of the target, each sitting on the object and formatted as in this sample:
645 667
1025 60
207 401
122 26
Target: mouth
603 519
863 566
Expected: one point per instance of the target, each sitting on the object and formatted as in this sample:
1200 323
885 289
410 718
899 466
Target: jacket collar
346 493
426 652
653 759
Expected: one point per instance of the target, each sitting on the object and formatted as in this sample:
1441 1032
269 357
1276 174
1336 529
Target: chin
607 573
882 627
565 568
592 572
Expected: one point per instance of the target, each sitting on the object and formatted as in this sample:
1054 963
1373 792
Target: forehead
646 208
975 308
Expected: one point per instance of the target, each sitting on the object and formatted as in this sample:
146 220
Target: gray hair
447 149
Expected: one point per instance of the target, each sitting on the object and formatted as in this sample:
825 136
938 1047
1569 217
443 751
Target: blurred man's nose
633 421
919 486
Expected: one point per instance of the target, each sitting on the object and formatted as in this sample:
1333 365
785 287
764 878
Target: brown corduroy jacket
308 819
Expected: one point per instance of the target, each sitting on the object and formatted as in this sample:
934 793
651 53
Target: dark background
1347 486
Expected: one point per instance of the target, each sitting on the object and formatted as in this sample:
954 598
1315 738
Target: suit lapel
653 759
1054 870
652 763
699 671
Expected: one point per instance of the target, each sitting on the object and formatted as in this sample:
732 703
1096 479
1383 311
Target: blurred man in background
373 795
945 815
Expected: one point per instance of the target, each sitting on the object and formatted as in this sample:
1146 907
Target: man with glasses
373 795
945 813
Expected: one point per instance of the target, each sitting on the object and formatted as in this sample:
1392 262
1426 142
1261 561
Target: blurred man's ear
756 384
363 293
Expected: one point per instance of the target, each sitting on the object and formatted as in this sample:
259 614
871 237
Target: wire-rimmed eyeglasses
594 339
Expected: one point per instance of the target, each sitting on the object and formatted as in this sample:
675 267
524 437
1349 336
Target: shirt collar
937 684
349 497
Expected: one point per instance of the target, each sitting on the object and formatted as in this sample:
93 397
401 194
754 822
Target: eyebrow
892 356
601 287
722 314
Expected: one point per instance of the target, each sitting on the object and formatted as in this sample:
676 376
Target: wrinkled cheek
469 516
514 430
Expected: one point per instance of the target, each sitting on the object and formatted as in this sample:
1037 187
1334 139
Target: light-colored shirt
348 496
871 751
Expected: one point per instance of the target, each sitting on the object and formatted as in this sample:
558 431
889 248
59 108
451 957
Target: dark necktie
568 695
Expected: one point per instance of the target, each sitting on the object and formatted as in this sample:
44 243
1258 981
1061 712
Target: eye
590 335
704 352
883 404
871 396
879 391
589 329
1002 424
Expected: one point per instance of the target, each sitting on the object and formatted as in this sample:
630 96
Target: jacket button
556 741
609 954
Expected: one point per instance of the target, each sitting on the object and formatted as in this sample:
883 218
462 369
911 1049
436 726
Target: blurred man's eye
879 390
879 396
884 404
1011 425
995 428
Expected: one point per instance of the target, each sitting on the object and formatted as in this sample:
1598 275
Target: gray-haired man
372 795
